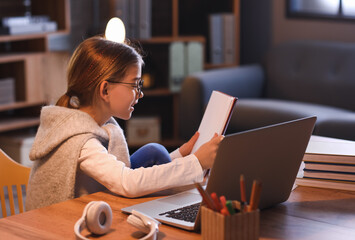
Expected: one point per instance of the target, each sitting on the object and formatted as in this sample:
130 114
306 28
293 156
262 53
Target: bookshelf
25 58
174 21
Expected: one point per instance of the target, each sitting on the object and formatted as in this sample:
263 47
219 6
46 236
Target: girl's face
123 95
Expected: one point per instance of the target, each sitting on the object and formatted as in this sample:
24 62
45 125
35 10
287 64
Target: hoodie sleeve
105 168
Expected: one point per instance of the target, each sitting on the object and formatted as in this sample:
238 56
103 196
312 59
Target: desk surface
309 213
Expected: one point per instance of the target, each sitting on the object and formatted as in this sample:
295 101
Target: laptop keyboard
187 213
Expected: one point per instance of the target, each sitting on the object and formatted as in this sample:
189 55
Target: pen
205 197
255 195
224 209
242 193
230 208
216 201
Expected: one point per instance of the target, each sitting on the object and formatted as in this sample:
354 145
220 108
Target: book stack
329 163
26 25
222 38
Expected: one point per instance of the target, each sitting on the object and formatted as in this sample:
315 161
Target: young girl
79 147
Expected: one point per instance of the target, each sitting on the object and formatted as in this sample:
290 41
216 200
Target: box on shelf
18 146
142 130
7 90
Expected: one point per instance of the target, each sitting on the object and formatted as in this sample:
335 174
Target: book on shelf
185 58
137 17
176 65
7 90
216 38
229 38
27 25
222 38
216 117
24 20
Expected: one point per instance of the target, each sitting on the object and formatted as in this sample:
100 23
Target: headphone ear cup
99 217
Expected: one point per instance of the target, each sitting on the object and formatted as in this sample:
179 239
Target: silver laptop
271 154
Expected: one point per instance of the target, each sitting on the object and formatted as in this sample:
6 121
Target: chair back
14 178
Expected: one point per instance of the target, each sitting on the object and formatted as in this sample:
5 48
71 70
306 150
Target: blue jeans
149 155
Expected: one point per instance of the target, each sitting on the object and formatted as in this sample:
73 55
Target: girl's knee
156 148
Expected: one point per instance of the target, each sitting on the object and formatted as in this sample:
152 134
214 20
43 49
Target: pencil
255 195
206 197
242 188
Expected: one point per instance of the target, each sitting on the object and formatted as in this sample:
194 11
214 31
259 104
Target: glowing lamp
115 30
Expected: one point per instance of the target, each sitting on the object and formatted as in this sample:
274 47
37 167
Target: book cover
193 58
228 38
176 65
337 167
330 150
216 38
216 117
322 183
330 175
145 19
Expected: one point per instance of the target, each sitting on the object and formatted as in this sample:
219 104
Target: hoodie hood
50 133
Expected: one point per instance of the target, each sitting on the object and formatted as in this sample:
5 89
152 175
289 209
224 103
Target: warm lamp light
115 30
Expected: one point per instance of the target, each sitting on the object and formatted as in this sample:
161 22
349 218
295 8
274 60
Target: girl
79 147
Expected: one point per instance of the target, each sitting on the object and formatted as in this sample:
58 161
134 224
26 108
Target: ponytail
63 101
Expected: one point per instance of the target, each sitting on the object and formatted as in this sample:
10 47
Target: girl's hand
186 148
206 154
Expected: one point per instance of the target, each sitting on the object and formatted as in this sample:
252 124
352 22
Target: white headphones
97 218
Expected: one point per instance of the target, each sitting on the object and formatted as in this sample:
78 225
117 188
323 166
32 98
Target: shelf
15 57
26 59
16 123
157 92
17 105
159 40
25 37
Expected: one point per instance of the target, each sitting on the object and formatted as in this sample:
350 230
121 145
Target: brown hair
96 59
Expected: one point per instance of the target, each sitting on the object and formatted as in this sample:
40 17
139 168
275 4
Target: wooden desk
310 213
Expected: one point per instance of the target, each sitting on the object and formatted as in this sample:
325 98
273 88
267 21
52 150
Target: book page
330 146
215 118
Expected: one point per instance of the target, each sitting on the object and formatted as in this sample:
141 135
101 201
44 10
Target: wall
255 34
285 29
264 24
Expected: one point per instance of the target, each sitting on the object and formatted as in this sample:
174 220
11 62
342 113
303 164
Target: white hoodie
68 138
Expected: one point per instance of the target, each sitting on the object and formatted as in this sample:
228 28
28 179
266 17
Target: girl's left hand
186 148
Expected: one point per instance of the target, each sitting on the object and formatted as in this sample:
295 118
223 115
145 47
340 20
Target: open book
216 117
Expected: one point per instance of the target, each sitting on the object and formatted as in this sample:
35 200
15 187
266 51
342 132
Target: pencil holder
240 226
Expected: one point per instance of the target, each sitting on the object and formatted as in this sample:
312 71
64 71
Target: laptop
270 154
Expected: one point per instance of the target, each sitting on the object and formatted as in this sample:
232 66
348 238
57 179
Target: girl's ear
104 90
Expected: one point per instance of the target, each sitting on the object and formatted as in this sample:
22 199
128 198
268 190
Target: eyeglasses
138 86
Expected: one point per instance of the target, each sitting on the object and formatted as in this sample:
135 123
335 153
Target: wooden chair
12 174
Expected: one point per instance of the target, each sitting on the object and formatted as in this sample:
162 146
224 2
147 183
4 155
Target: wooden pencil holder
239 226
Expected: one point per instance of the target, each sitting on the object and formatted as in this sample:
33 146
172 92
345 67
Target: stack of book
329 163
26 25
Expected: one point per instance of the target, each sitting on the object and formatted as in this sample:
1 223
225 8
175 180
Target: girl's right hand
206 154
